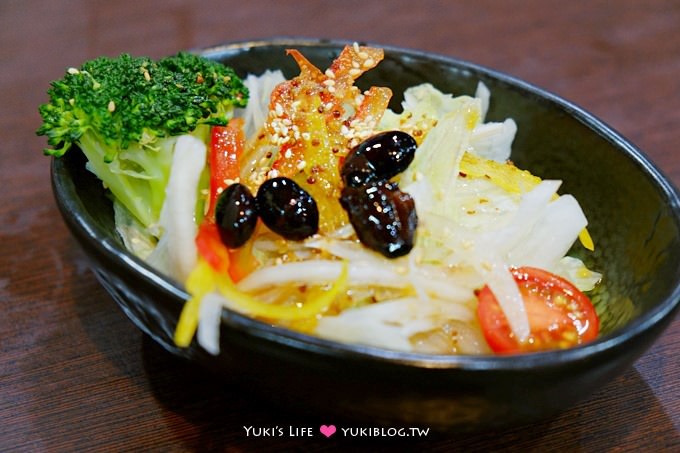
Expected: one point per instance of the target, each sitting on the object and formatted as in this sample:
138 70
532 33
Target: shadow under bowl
634 218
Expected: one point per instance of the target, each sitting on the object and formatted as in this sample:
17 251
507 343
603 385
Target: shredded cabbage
259 90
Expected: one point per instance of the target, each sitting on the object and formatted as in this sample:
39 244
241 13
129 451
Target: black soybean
287 209
236 215
379 157
383 217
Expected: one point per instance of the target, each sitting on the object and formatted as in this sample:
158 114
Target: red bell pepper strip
242 262
211 248
226 148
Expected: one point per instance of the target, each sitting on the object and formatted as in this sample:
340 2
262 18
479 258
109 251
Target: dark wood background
75 374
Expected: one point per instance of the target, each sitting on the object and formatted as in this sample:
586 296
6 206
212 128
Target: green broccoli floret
126 113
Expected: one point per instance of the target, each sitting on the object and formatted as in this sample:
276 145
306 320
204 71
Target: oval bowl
634 217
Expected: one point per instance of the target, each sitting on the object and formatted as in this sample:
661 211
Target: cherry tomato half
560 315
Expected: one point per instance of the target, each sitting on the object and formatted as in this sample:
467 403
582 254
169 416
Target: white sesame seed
356 47
288 154
112 106
73 71
354 72
331 89
368 62
363 55
330 74
301 165
279 109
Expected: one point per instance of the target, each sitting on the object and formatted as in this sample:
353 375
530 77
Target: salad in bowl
308 203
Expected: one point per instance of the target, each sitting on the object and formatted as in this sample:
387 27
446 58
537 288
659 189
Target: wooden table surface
75 374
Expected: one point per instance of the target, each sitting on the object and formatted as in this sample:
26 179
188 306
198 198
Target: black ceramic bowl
634 215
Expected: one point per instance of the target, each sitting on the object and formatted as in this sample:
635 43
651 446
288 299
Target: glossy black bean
236 215
383 217
379 157
287 209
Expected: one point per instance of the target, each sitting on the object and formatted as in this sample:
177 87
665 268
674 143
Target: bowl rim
82 221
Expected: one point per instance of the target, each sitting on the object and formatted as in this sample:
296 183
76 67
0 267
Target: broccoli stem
135 193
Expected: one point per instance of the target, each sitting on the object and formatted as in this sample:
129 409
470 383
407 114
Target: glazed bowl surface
634 218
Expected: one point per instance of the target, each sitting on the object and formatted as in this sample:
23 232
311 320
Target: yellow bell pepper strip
242 262
213 261
200 282
313 307
511 179
586 240
204 279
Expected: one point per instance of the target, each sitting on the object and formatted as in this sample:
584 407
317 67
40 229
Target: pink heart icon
327 431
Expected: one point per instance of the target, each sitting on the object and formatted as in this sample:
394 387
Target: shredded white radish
176 250
551 237
316 272
360 274
390 324
501 282
530 210
210 315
